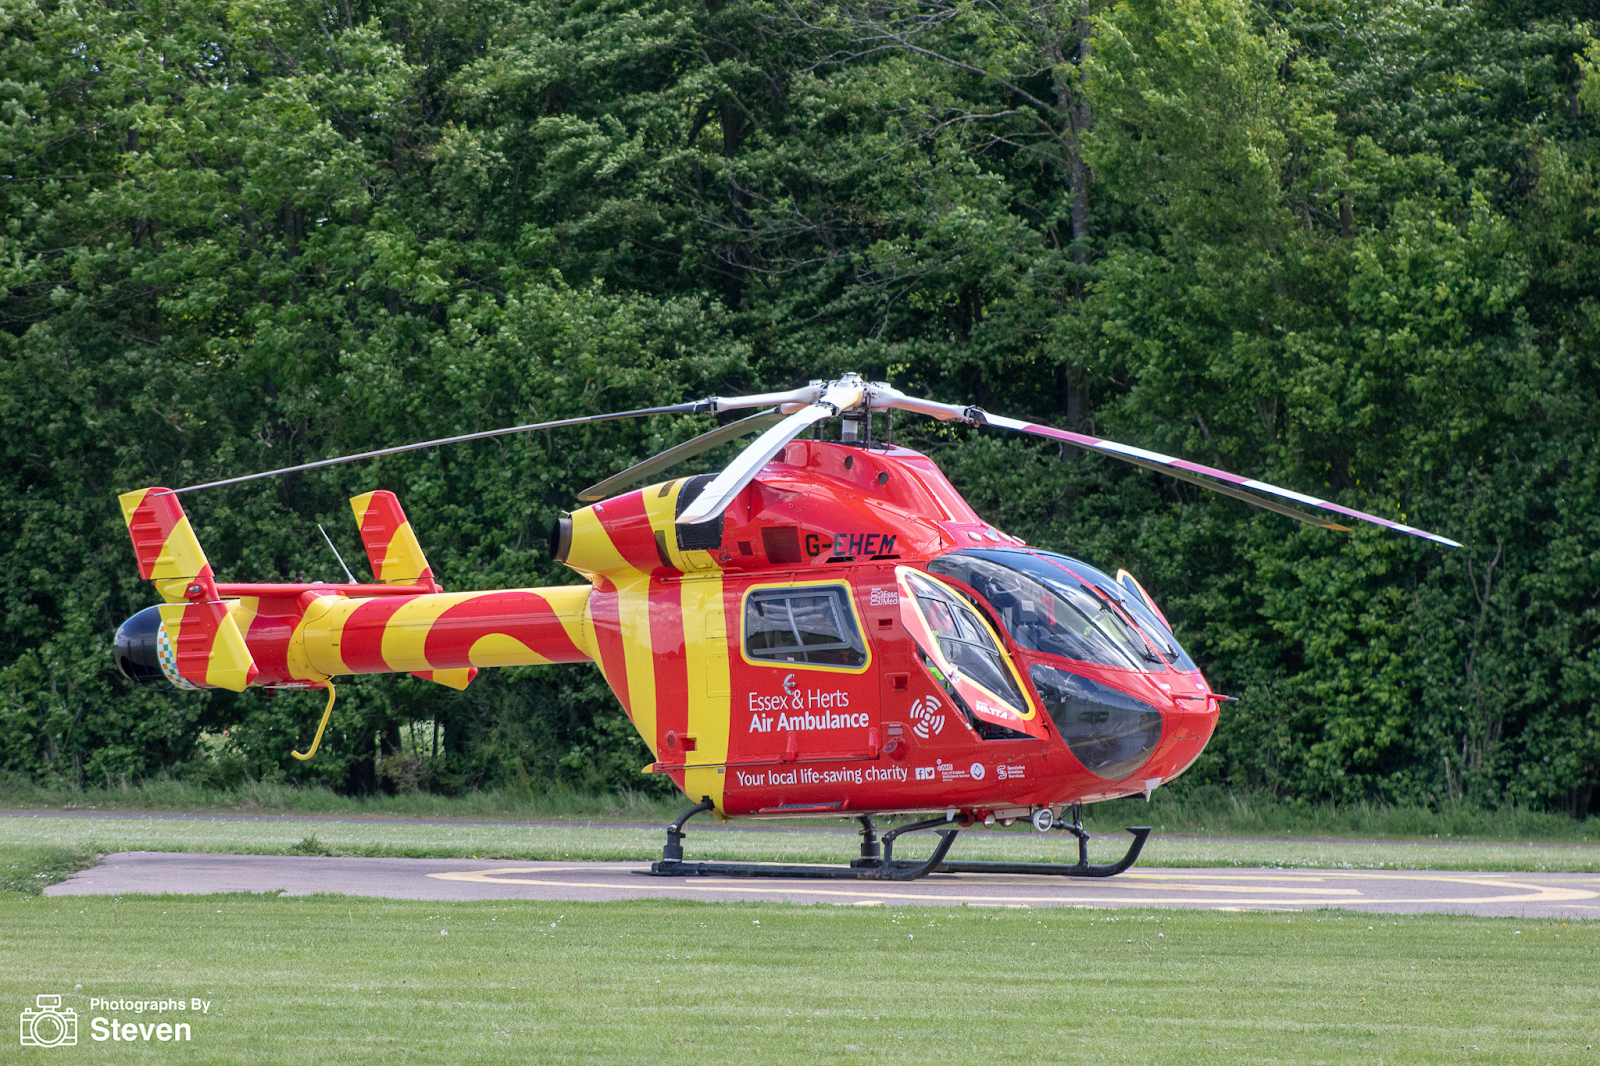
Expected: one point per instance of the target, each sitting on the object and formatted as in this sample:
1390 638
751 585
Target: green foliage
1411 355
1348 246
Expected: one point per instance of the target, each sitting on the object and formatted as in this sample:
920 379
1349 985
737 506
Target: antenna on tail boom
336 554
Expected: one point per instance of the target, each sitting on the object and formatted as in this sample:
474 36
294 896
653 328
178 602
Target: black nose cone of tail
135 647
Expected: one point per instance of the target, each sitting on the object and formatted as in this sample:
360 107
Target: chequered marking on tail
198 644
392 546
167 656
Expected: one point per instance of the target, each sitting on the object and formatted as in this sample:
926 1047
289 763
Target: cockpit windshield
1060 606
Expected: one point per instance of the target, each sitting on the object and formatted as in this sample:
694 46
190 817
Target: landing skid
877 861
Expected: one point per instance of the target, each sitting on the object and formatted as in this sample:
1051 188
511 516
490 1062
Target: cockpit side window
965 643
1057 619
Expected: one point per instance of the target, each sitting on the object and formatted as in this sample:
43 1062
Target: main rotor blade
1264 502
672 456
716 496
793 398
694 407
1258 493
1243 488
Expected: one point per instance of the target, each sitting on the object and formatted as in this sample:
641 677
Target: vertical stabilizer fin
392 547
457 678
198 644
168 552
201 644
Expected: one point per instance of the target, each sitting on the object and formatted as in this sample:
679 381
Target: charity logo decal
927 717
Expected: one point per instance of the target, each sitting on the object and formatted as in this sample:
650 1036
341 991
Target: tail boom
443 632
283 635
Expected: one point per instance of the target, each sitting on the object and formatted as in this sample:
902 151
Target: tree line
1348 246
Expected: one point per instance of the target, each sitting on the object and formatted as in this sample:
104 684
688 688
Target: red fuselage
807 653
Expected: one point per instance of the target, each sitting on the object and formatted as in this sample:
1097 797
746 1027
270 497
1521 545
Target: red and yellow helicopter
823 628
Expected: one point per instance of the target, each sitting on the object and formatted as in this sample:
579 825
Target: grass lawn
492 841
326 979
1201 810
25 869
269 797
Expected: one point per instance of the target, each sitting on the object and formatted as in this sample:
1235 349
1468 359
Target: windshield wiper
1100 597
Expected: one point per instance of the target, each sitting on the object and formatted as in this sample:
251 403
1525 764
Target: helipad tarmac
1542 895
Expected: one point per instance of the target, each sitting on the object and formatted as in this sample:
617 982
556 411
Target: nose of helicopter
1126 699
1111 733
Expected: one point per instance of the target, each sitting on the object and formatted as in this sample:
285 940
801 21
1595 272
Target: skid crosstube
1083 868
879 864
886 868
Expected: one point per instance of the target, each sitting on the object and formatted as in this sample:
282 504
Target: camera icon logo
49 1025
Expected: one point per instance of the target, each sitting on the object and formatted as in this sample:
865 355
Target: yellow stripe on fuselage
405 637
498 649
301 668
592 551
244 610
633 614
706 647
700 594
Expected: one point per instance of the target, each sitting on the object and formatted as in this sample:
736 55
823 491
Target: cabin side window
813 626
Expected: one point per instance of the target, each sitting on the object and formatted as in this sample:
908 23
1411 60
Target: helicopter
824 628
